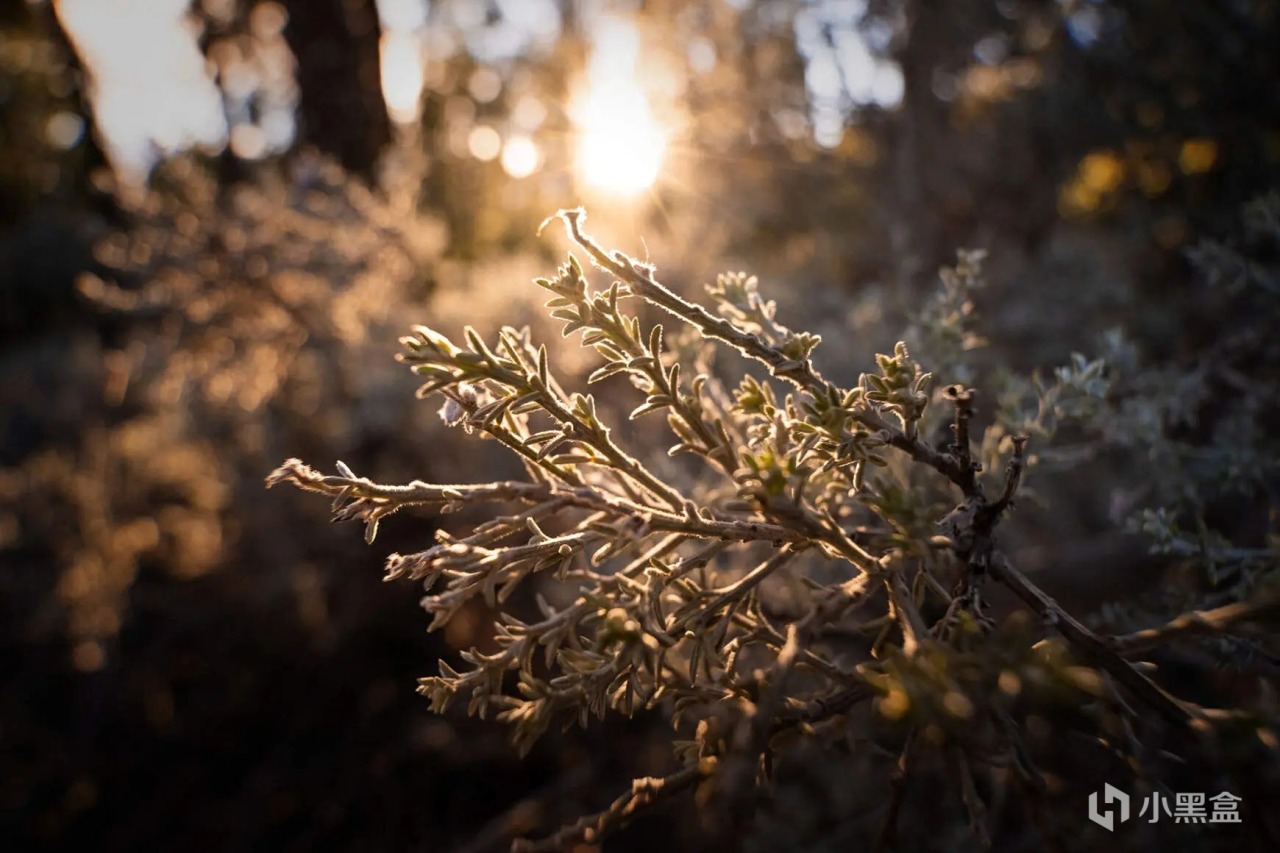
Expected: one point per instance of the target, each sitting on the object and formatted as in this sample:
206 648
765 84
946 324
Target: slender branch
513 442
646 360
973 803
621 461
523 814
1197 623
828 529
610 584
748 582
807 656
370 498
1094 648
826 707
645 794
906 614
534 381
750 743
1013 474
1024 766
802 374
962 399
887 838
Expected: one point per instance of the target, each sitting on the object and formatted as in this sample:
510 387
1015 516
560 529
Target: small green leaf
655 341
542 366
605 372
652 404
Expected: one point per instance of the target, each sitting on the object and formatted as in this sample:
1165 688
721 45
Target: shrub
829 581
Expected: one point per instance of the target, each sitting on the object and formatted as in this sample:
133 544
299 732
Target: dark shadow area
201 280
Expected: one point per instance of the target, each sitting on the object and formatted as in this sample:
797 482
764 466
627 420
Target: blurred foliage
165 344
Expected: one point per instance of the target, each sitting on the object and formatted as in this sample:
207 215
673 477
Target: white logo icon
1110 794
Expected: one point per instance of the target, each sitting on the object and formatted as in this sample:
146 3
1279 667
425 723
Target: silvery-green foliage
1208 427
825 586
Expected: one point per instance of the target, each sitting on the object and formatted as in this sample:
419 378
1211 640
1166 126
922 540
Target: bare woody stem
747 582
823 708
381 499
1198 623
1013 474
645 794
1094 648
962 398
906 614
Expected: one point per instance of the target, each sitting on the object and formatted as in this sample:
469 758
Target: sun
620 145
620 148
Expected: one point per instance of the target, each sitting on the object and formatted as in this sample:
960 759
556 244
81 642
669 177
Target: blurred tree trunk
49 206
341 111
33 171
939 38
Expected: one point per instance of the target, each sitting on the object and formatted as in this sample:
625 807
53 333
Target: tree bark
341 111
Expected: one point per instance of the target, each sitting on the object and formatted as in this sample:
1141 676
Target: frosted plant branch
816 588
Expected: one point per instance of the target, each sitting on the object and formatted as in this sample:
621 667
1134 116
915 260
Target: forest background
217 218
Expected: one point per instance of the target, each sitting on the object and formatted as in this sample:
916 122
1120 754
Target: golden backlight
620 144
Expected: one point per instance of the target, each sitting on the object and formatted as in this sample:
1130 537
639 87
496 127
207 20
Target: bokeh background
216 218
